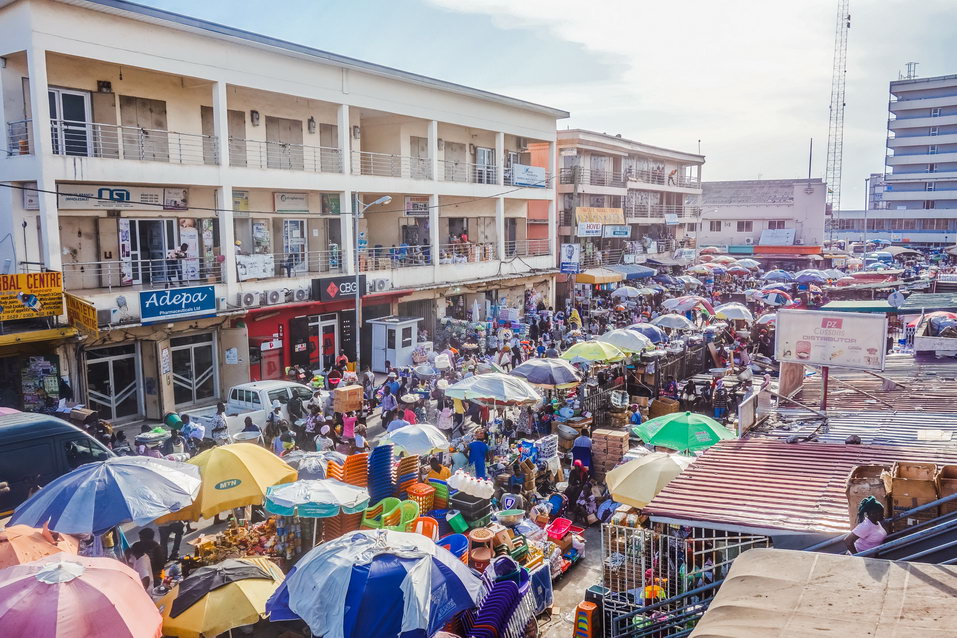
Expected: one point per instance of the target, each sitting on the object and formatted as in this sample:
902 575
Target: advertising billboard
571 256
31 295
842 339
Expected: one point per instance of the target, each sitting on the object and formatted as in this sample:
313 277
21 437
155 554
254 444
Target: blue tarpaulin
634 271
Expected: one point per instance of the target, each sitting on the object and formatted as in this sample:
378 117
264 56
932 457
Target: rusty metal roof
765 486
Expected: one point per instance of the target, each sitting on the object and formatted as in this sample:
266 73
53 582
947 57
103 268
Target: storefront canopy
634 271
34 336
598 276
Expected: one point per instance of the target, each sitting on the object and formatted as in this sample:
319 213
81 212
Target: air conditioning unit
356 132
247 299
377 285
748 240
221 304
104 316
522 142
301 295
272 297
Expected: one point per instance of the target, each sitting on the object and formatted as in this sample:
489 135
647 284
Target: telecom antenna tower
835 130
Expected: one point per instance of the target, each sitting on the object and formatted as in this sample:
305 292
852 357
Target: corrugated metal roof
758 484
913 430
928 386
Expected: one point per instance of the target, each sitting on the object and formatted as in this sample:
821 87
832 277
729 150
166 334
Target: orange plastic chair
427 526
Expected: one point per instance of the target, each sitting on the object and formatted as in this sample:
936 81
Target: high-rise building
195 186
915 203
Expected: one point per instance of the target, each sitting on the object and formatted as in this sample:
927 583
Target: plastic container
558 528
458 544
456 521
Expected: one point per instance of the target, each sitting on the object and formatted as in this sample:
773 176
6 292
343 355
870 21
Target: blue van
35 449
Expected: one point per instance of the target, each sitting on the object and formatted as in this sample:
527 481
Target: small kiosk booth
393 340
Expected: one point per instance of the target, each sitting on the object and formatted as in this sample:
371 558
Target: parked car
35 449
255 400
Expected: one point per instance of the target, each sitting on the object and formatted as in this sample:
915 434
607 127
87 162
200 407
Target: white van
254 400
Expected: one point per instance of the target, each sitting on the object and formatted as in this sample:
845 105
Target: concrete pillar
434 239
500 158
224 194
9 231
347 232
551 172
434 149
221 123
42 145
500 226
345 141
553 241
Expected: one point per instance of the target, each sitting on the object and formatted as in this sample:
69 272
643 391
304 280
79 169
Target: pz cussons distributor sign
841 339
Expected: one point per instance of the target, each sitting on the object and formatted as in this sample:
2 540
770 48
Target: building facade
916 204
197 187
780 212
619 197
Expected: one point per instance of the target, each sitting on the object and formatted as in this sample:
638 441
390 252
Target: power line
268 212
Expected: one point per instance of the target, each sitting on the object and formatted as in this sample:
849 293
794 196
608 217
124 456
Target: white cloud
750 80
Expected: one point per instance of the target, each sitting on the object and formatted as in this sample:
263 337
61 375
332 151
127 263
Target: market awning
37 335
634 271
598 276
662 261
599 215
859 306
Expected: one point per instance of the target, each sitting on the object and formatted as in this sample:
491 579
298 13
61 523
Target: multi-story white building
780 212
614 192
917 205
145 132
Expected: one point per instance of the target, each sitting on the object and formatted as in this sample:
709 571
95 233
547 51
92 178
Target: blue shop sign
172 304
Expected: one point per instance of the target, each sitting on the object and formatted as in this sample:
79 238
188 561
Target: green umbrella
683 431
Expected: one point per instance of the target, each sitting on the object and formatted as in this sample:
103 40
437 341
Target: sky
749 81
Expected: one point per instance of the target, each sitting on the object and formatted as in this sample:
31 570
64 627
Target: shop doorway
113 382
70 117
294 246
150 241
195 378
325 330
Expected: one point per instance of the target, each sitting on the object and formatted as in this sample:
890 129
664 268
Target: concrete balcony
109 277
643 212
478 263
905 121
920 176
290 157
902 159
922 103
920 195
901 141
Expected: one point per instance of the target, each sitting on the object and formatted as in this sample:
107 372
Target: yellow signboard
31 295
82 314
599 215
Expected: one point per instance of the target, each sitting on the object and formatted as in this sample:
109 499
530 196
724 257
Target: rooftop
182 22
752 191
770 487
621 145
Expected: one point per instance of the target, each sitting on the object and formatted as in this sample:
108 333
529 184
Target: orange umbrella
22 544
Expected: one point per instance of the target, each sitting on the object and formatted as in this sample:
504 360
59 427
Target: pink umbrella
738 270
76 596
705 258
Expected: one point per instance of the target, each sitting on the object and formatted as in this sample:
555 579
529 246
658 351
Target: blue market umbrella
376 584
548 373
664 278
811 277
654 333
99 496
778 275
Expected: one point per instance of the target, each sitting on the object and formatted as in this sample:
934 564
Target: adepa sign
337 288
157 306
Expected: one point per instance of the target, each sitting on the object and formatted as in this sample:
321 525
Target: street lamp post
358 209
867 186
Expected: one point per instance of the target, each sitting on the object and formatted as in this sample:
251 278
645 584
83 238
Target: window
745 226
934 130
776 224
714 227
935 112
302 393
929 204
908 223
407 337
83 450
929 186
598 201
932 149
932 168
278 395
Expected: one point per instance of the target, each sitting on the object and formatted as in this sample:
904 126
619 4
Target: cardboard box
909 490
347 399
947 486
864 481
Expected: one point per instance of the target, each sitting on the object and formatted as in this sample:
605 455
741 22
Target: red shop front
309 333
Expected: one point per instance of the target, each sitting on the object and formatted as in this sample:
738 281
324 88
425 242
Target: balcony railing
142 273
90 139
467 173
460 253
527 248
18 138
651 211
394 257
290 157
389 165
287 264
578 175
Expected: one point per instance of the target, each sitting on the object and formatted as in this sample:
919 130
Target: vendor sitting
249 426
581 449
438 471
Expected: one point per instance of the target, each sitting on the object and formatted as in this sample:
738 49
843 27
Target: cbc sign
336 288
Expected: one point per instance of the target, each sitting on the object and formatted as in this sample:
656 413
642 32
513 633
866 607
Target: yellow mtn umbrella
637 482
227 595
592 351
233 475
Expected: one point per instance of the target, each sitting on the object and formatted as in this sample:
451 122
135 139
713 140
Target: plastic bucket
173 421
458 544
456 521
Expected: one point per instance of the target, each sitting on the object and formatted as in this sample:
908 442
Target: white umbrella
677 322
689 280
419 438
769 318
627 340
734 311
626 292
318 498
494 388
750 264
